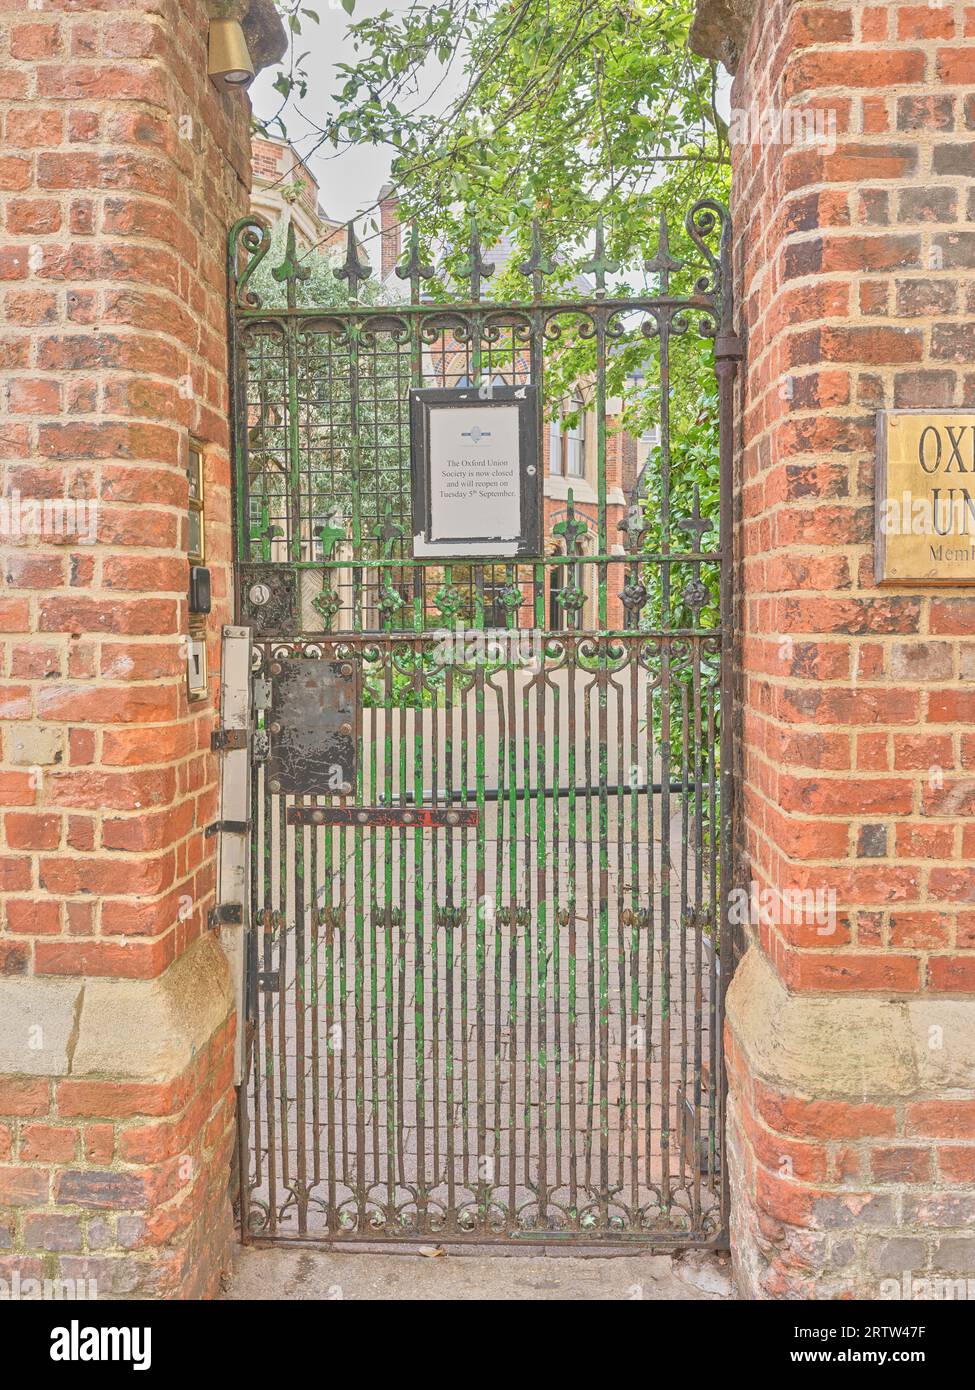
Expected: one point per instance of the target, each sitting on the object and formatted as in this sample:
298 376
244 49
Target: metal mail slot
402 817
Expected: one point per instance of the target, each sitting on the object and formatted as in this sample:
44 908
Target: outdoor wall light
229 63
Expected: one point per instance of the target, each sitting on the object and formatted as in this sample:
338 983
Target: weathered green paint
488 1032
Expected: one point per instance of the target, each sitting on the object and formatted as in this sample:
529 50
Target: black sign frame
526 545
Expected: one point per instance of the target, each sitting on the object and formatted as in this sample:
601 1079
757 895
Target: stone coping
851 1047
720 29
120 1030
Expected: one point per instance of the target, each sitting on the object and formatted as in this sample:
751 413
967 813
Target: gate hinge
226 740
728 345
229 827
226 915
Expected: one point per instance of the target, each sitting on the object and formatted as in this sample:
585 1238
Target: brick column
122 167
851 1040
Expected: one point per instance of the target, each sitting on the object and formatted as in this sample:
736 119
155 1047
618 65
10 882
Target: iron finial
571 528
538 264
290 272
476 268
387 531
600 266
695 525
413 267
354 269
662 263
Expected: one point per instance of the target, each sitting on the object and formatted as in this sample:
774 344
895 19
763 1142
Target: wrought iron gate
490 826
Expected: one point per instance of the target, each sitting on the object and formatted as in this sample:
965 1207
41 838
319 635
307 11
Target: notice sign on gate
474 456
925 497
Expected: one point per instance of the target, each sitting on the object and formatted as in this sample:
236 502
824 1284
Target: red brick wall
854 692
123 1183
122 168
114 353
281 164
856 281
391 235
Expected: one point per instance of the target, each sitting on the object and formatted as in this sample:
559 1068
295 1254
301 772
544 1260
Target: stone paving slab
325 1275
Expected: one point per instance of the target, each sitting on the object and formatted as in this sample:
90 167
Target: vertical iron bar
728 354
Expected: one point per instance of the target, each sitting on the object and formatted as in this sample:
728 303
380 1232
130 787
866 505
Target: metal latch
226 740
230 827
268 981
226 915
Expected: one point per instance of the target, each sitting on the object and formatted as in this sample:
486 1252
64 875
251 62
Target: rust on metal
509 1030
401 817
312 745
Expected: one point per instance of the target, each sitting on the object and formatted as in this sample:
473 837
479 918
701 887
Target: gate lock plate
228 740
398 817
312 727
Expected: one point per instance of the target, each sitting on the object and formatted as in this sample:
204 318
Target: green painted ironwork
510 1030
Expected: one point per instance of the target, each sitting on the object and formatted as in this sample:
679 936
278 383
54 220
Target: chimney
389 224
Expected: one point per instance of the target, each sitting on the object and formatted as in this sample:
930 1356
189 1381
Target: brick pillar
851 1043
122 167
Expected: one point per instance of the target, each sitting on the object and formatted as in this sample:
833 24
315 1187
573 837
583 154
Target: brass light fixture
229 63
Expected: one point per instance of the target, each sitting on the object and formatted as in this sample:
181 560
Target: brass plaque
925 497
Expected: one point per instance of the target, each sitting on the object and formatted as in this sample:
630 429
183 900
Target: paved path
314 1275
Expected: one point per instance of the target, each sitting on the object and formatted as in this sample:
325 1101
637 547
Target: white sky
351 178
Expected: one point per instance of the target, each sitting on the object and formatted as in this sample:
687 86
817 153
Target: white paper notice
474 474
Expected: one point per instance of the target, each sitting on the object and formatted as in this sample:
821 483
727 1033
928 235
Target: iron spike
291 272
413 268
662 263
354 269
538 264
